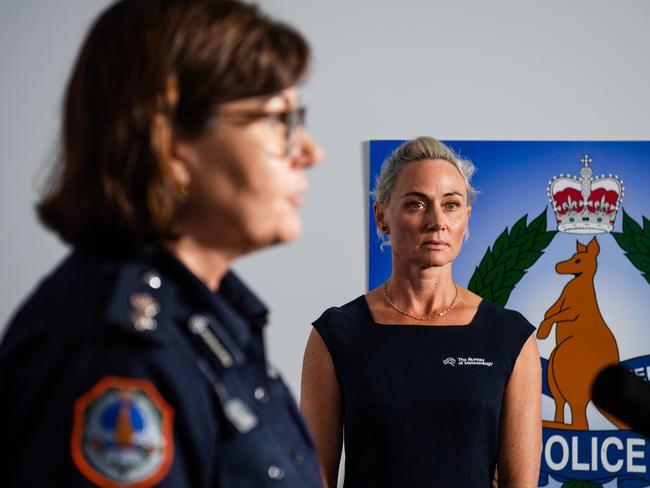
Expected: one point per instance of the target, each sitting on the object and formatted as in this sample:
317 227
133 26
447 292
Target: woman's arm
520 436
320 402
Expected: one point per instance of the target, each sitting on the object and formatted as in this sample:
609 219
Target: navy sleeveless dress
421 404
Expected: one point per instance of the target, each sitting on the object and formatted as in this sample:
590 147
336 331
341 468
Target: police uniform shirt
129 372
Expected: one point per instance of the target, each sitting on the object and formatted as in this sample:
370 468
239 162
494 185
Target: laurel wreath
506 262
635 242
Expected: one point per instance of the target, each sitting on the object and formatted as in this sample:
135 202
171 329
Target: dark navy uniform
130 372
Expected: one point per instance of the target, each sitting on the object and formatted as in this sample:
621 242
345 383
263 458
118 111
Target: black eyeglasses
293 120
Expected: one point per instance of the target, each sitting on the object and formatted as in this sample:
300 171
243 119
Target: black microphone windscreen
624 395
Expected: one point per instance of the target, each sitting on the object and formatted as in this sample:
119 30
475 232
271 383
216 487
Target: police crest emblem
578 270
122 434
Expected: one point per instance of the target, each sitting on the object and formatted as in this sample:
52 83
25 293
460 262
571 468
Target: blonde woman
428 384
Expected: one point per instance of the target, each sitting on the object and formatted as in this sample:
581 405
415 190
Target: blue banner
584 192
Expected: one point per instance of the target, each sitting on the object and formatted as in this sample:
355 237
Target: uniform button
261 394
298 458
152 279
275 472
272 371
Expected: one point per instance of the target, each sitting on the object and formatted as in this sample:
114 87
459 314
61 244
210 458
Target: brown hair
145 64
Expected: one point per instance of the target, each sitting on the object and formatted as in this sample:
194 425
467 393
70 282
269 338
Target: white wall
454 69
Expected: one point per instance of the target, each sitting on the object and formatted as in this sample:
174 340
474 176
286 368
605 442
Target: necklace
424 319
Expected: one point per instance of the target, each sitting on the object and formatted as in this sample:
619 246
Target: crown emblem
585 205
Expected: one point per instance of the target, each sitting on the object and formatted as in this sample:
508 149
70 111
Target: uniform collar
243 300
232 296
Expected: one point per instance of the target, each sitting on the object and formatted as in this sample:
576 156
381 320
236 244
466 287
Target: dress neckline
373 323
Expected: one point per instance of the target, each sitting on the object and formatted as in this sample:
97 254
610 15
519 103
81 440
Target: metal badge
145 309
240 415
199 325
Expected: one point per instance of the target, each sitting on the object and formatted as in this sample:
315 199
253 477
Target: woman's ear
469 213
180 171
172 154
380 219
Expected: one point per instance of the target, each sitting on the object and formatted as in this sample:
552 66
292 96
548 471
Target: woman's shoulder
339 326
509 329
502 316
59 294
350 311
84 296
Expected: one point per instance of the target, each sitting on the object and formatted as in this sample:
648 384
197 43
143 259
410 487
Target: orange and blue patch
122 434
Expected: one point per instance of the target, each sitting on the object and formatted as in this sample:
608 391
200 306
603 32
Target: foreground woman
140 360
429 385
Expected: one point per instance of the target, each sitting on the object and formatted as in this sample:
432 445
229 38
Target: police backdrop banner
560 233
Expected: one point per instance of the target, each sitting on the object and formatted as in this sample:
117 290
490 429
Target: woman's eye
415 205
452 205
274 121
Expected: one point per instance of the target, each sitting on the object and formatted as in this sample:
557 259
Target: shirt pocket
251 460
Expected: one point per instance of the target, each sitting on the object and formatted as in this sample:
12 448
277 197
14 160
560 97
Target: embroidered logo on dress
474 362
122 434
461 361
449 362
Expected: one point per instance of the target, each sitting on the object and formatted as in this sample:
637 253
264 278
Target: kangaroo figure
584 343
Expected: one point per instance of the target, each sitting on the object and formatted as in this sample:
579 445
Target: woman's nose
435 218
308 152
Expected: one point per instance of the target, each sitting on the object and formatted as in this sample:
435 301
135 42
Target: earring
182 192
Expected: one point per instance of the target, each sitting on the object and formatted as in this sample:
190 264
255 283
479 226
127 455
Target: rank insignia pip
122 434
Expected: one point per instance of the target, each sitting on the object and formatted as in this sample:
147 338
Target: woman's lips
434 244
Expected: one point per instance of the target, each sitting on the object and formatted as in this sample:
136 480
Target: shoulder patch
122 434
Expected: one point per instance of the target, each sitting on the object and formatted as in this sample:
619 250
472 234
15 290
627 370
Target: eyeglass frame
292 119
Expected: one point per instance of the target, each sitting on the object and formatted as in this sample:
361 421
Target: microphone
625 396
